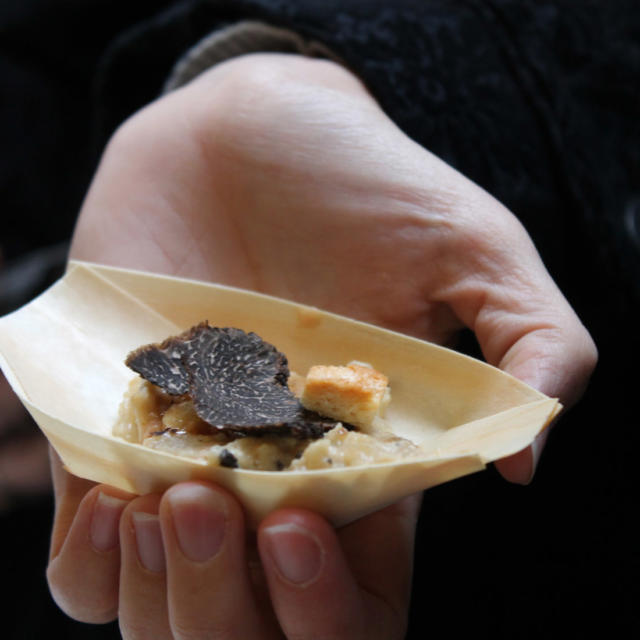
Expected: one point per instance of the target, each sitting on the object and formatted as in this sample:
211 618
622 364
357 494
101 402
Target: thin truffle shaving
237 382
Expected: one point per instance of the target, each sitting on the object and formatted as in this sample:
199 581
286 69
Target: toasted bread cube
355 393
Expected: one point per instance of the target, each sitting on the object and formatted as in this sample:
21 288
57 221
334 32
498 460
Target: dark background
556 558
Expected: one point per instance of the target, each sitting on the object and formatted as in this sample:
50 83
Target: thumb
523 324
557 361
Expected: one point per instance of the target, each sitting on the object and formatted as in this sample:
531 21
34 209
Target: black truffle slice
162 364
237 382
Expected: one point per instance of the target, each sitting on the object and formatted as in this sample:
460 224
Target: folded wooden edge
501 434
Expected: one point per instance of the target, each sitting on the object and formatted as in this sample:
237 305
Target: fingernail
105 521
536 450
199 518
296 552
149 541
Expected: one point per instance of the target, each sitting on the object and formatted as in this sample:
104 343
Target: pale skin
281 174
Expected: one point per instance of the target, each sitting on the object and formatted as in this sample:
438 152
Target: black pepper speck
227 459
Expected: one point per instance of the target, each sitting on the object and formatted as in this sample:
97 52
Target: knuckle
149 132
132 137
245 101
126 134
257 75
244 98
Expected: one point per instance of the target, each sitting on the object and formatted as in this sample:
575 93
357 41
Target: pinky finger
83 577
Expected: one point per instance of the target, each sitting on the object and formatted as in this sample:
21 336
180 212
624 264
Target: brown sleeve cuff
239 39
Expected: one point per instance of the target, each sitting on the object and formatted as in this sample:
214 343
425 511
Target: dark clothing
538 102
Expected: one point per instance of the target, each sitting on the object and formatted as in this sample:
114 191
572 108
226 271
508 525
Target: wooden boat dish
64 352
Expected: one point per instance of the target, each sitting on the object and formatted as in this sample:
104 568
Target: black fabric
535 100
525 98
49 50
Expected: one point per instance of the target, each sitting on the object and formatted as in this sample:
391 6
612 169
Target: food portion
356 394
227 397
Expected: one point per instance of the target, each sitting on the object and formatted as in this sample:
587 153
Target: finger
83 576
555 356
143 599
208 585
502 291
68 491
312 590
321 583
388 536
521 466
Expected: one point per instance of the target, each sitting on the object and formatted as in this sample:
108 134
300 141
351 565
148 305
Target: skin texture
281 174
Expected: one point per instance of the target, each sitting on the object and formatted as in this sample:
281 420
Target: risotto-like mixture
228 397
152 417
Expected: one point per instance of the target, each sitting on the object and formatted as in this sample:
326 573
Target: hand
180 566
282 174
